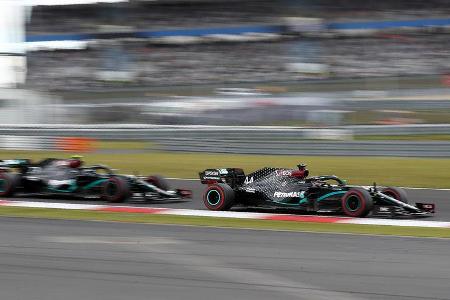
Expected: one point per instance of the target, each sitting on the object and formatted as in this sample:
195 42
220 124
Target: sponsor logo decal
223 171
283 172
211 173
54 182
289 194
384 209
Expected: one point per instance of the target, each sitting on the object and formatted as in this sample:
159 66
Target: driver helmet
75 161
302 172
301 166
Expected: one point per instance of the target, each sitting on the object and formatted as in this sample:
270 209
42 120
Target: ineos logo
283 172
211 173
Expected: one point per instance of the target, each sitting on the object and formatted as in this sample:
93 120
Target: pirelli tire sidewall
396 193
219 197
158 181
357 202
9 183
115 189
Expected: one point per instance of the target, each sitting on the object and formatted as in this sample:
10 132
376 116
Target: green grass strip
223 222
395 171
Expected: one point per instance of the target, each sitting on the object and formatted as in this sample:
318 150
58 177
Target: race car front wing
400 208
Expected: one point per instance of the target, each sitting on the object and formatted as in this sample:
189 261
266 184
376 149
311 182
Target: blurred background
175 72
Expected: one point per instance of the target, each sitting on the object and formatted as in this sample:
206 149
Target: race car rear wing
210 176
14 163
231 176
20 165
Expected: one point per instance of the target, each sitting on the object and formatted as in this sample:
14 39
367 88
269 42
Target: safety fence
151 131
232 139
313 147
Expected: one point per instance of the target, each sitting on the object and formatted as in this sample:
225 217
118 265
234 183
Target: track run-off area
441 197
195 207
45 259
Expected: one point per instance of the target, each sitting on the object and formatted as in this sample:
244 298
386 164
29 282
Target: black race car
292 188
68 177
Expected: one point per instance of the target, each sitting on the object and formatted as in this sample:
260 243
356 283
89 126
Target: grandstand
243 62
150 16
123 42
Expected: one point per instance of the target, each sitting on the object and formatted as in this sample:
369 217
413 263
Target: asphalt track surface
56 259
440 197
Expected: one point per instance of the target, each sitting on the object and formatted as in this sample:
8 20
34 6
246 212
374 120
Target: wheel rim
213 197
353 203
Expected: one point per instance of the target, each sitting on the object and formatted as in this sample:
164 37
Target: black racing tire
357 202
396 193
8 184
158 181
219 197
115 190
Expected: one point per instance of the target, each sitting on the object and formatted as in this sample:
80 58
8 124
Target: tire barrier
72 144
26 143
77 144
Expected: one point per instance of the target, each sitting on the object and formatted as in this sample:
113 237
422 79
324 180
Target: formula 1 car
292 188
68 177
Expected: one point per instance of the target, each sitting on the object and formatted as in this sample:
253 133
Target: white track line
227 214
390 222
217 214
51 205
